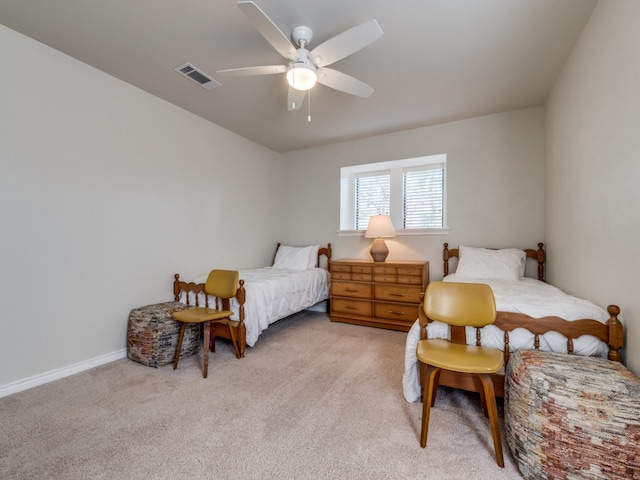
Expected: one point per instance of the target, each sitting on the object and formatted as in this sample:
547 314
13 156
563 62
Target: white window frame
395 168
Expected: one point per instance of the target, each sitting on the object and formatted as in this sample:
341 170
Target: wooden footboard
197 289
611 332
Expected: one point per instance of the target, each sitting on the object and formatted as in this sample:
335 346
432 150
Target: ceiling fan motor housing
302 35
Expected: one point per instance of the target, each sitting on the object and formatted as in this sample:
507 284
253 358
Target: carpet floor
311 400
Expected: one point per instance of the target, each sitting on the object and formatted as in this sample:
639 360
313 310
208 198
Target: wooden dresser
377 294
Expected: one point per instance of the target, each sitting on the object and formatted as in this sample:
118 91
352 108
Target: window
372 197
423 195
411 191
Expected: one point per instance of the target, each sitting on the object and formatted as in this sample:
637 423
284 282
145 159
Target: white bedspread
529 296
273 294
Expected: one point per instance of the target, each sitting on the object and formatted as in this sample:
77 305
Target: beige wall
592 170
99 182
495 168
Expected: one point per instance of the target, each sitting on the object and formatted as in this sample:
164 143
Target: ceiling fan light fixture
301 76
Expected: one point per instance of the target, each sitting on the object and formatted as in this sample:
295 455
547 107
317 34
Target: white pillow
484 263
292 258
313 256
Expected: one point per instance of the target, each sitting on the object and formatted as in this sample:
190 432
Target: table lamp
379 226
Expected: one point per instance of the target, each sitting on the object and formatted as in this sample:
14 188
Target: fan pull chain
309 106
294 86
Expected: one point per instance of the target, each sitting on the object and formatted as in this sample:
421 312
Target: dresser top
381 264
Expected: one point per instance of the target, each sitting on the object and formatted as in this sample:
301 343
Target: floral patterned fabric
153 334
572 417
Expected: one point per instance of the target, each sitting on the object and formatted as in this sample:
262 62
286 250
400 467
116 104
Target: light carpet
311 400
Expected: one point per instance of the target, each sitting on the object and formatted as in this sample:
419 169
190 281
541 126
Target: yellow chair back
222 283
463 304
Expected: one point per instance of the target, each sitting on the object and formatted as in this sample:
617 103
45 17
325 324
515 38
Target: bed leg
242 338
241 334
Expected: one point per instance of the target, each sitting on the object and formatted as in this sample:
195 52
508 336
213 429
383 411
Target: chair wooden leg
212 337
490 396
427 402
483 398
179 346
205 348
424 368
436 383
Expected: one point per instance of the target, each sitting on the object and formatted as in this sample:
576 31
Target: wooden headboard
538 255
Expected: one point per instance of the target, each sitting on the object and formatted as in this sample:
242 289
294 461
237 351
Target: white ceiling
438 60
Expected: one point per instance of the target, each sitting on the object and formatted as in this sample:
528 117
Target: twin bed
531 314
297 280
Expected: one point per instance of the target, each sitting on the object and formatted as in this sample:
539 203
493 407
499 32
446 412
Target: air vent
197 76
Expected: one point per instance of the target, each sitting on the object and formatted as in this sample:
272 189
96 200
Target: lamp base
379 250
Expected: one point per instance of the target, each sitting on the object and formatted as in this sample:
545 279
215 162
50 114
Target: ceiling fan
305 67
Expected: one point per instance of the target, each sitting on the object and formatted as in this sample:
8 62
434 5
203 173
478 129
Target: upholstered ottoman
153 334
569 417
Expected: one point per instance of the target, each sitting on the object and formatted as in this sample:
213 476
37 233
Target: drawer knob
351 307
352 290
396 313
393 294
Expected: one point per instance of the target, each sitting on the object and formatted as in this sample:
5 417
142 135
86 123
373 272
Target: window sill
399 233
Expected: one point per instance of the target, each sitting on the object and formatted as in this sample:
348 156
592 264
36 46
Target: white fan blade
269 30
346 43
343 82
248 71
295 99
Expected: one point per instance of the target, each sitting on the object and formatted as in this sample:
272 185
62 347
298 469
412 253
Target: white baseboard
59 373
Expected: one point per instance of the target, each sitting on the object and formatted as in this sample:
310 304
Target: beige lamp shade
379 226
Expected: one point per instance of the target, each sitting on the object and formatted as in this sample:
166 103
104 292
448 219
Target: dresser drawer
358 273
386 270
410 271
346 306
366 269
362 277
397 311
398 293
340 268
385 278
409 280
400 279
340 275
350 289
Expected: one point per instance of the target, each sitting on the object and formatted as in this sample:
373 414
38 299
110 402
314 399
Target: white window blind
423 197
372 197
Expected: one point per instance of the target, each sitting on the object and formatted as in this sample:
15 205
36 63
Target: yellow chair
462 304
222 284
